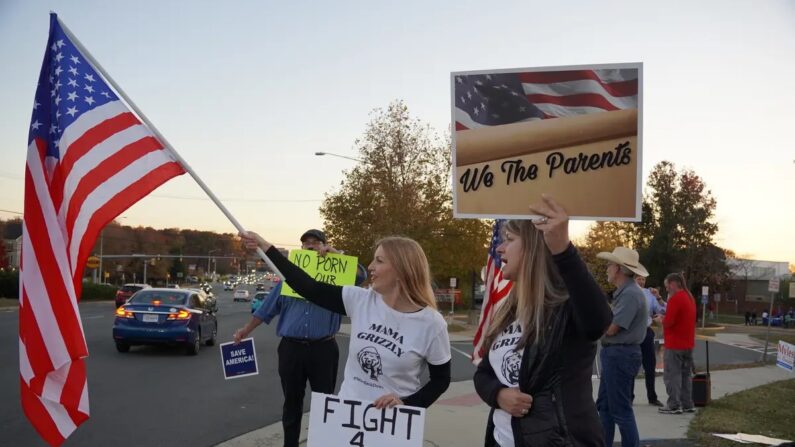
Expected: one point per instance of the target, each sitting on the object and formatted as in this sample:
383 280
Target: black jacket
557 372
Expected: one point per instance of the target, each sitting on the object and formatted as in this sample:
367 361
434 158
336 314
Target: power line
234 199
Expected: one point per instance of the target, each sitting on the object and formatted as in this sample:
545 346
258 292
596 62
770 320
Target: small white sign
786 355
453 282
772 285
705 290
716 297
337 421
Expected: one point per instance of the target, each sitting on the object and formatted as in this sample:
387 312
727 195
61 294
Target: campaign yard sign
572 132
786 355
239 360
331 269
338 421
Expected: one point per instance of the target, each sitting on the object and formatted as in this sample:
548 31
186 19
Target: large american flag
504 98
89 159
496 288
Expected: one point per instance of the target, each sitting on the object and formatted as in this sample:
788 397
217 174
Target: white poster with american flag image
89 158
572 132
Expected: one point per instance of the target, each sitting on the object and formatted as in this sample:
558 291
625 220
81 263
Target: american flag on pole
496 288
503 98
89 159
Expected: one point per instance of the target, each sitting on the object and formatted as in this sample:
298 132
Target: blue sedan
166 316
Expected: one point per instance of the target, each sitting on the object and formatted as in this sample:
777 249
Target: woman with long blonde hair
396 331
541 345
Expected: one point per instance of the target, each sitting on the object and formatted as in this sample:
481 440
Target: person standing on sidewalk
621 354
536 376
307 351
679 332
396 331
649 356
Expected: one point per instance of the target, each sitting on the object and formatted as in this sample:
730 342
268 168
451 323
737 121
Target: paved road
158 396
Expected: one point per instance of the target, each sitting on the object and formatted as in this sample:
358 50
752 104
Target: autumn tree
3 256
402 186
677 229
602 236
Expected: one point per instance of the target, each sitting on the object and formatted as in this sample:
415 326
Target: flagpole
162 139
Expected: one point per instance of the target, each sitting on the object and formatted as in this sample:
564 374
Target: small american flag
496 288
89 159
504 98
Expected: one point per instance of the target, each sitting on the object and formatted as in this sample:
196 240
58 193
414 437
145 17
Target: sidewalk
458 418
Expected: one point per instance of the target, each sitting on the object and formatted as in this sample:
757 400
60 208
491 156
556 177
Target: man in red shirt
679 332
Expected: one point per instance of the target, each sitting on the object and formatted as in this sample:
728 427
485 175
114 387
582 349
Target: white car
241 295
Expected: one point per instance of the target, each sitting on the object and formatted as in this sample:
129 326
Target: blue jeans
620 365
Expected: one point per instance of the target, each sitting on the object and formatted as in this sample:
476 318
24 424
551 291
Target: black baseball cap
317 234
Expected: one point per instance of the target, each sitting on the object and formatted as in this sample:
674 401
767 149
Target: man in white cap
621 355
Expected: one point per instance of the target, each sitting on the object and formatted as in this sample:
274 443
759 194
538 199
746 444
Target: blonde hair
411 268
537 289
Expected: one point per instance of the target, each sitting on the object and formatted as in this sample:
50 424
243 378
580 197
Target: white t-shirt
505 362
389 349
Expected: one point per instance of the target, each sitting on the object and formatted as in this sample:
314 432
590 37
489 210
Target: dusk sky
248 91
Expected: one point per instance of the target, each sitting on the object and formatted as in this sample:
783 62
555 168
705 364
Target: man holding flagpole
89 159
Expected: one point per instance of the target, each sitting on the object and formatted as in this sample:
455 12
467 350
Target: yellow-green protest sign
331 269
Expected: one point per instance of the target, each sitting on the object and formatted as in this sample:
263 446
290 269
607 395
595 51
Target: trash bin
702 385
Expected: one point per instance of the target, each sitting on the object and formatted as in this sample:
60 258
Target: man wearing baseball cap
621 355
308 350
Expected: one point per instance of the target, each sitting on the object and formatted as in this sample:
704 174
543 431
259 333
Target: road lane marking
465 354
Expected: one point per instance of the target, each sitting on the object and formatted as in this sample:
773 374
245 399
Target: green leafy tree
402 186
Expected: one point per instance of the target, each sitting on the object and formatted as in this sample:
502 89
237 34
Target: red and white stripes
108 161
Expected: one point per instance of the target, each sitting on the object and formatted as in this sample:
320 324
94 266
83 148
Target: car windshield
164 298
131 288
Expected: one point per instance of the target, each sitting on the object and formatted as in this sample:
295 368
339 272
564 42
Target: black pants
649 363
299 362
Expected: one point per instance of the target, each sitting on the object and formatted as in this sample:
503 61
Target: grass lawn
774 338
455 327
9 302
728 318
766 410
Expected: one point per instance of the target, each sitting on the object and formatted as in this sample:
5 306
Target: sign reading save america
239 360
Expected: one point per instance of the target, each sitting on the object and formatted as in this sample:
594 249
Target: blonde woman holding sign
541 345
396 331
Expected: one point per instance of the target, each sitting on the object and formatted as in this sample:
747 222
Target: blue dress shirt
655 308
298 318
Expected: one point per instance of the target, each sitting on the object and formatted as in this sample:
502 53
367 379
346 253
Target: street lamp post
208 260
338 155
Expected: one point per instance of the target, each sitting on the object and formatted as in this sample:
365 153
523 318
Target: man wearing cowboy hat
621 355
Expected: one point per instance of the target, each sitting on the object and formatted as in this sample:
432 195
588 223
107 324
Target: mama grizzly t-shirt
389 349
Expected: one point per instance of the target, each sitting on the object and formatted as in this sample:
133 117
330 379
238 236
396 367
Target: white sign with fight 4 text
336 421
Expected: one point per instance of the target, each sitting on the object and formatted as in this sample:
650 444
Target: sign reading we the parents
571 132
332 268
